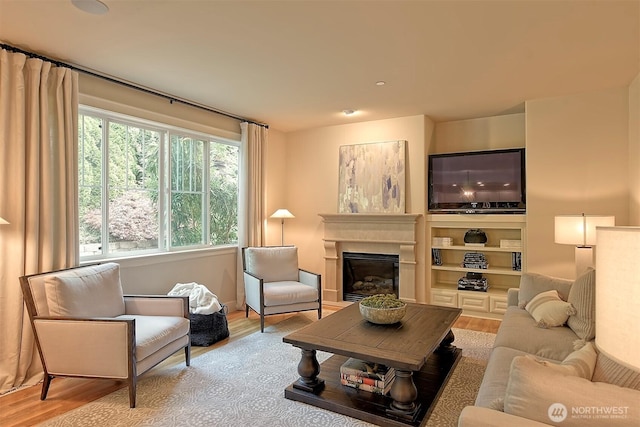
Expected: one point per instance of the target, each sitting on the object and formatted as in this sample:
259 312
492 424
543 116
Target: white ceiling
297 64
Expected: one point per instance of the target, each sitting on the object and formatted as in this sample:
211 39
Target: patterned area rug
242 383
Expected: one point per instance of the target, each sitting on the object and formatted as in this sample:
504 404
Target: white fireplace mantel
369 233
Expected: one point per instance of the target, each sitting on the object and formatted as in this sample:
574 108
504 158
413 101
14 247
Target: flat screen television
478 182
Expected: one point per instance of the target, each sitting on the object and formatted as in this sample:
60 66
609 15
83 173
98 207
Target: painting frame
372 177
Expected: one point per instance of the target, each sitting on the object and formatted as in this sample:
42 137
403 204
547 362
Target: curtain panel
251 216
38 196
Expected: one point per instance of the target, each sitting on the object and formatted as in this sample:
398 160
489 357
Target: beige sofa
540 374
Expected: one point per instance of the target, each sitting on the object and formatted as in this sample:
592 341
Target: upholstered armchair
274 284
85 327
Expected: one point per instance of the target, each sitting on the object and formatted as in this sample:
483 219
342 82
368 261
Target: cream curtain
38 196
252 195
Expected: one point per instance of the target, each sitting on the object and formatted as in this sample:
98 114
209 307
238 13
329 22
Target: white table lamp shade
579 229
618 294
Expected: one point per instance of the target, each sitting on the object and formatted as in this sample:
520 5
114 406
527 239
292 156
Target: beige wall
311 181
577 148
634 152
487 133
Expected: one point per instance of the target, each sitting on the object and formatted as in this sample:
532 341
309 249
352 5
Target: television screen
478 182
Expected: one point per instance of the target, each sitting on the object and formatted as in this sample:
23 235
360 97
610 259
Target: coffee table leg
404 394
308 369
447 343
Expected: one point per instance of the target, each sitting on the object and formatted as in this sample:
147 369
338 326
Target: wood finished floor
24 407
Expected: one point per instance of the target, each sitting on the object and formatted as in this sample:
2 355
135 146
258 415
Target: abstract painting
372 178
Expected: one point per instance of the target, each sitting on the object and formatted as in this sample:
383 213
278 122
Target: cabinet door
473 301
444 298
497 304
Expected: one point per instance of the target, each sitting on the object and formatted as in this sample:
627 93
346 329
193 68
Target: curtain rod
171 99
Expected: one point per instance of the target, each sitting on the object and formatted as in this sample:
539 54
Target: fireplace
393 234
365 274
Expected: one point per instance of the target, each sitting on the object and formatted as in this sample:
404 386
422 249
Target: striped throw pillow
582 296
548 309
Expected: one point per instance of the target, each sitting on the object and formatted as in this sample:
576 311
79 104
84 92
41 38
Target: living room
582 153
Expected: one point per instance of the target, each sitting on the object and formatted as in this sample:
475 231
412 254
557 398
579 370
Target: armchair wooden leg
132 392
45 386
262 323
187 355
320 313
246 310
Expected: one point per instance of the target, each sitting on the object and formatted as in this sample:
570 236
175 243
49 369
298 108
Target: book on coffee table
363 375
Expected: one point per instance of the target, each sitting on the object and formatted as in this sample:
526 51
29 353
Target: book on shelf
357 379
477 245
516 261
436 256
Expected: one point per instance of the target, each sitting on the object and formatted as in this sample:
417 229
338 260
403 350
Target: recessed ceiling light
381 83
348 112
94 7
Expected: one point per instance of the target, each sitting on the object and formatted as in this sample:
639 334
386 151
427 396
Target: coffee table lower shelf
370 407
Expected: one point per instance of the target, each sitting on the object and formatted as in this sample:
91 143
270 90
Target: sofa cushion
531 284
155 332
496 375
548 309
582 297
518 331
272 264
288 292
538 393
580 363
92 291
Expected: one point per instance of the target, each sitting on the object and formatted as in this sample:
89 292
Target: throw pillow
548 309
539 394
580 363
582 296
92 291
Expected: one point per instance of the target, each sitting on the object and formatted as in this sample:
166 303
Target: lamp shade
580 229
618 294
3 221
282 213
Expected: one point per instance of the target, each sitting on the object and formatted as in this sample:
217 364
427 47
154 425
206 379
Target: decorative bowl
383 315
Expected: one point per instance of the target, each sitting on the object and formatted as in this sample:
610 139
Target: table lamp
580 230
282 214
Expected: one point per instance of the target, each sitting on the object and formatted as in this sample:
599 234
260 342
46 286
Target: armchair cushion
273 264
288 292
86 292
154 332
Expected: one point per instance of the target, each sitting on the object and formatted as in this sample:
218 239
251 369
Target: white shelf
500 275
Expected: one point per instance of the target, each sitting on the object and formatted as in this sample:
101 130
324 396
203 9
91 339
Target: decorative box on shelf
442 241
510 244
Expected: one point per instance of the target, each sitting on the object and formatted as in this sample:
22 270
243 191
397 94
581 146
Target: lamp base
584 259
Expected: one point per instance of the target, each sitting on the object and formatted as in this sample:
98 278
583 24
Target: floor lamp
580 230
282 214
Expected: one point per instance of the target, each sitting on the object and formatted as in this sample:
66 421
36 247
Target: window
147 187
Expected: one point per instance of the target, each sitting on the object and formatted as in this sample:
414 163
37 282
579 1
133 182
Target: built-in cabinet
506 260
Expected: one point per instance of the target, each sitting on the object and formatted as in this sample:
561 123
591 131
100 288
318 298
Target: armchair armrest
253 289
90 347
157 305
512 297
308 278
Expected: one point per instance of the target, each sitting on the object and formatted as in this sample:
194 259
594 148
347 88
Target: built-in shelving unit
500 272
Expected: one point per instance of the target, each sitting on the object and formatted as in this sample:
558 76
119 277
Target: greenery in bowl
382 301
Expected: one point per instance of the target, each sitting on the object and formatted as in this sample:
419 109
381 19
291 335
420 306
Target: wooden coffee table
418 347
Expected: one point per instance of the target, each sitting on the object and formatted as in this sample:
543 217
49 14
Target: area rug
242 383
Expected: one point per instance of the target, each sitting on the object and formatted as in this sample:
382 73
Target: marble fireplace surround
393 234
